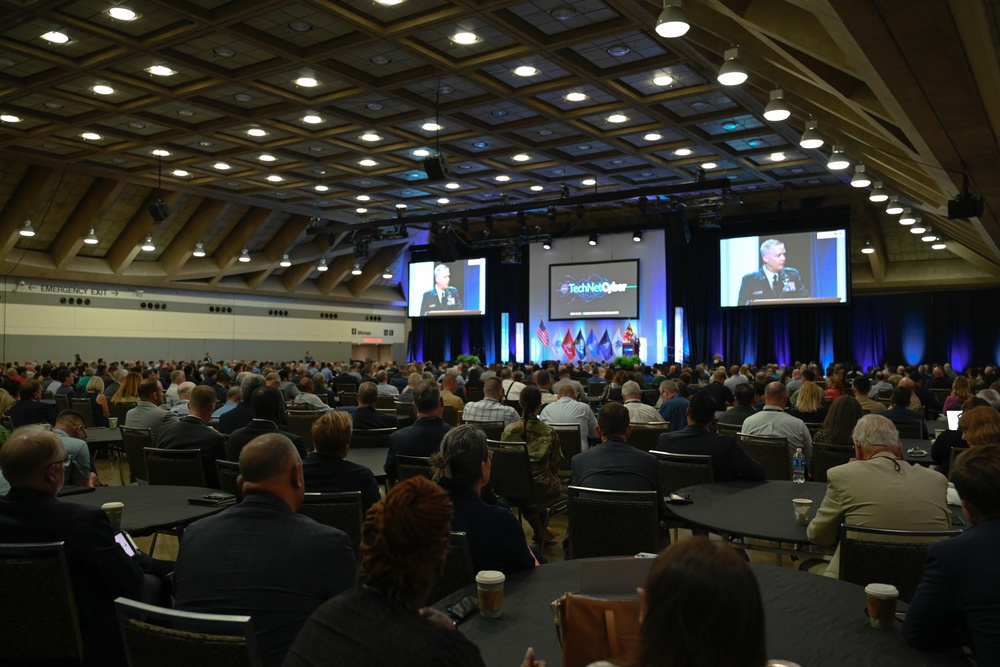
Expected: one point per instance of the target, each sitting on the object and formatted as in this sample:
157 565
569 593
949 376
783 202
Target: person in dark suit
365 416
745 395
442 297
615 464
772 280
326 468
29 409
268 409
958 600
241 415
32 462
729 461
722 394
261 557
899 413
423 437
192 432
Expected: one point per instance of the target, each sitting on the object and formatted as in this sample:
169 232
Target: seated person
326 468
840 421
79 467
366 415
232 400
268 411
745 395
307 400
496 538
29 408
98 402
958 600
948 440
900 413
193 432
423 437
183 396
809 406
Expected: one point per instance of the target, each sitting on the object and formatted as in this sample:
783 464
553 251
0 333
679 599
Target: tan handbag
591 629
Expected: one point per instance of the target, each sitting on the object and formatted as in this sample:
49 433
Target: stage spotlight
551 215
488 222
547 243
564 191
593 239
643 204
464 224
522 220
637 236
581 212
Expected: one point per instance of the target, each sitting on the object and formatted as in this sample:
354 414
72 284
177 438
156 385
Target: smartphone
462 609
124 540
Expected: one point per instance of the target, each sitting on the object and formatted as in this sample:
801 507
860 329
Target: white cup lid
490 577
112 506
882 590
802 501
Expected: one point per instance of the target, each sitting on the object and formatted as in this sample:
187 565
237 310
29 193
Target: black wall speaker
437 167
160 211
965 206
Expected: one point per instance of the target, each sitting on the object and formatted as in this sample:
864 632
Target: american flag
543 333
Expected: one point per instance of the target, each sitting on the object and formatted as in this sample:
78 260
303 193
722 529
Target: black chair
458 572
955 453
612 523
37 609
728 429
347 398
229 471
678 471
645 436
62 402
492 429
385 401
371 437
159 637
405 416
474 393
174 467
771 452
412 466
571 445
83 406
650 396
7 423
340 510
888 556
910 430
514 480
826 456
119 410
300 423
346 388
134 441
450 415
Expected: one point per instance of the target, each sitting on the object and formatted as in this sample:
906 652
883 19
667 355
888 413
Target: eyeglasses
61 462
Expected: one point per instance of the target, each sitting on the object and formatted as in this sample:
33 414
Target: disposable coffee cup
881 605
114 512
113 422
489 584
802 508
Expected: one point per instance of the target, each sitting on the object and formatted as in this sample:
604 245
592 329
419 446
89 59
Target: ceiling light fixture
257 132
199 249
221 166
521 157
501 178
306 82
663 80
91 238
708 165
368 162
837 159
356 269
617 118
312 119
285 262
321 188
91 136
683 152
161 70
245 255
322 265
653 136
637 236
878 194
431 127
907 216
452 186
181 173
588 182
55 37
777 156
363 198
917 229
894 207
10 118
266 157
575 97
526 70
868 249
672 22
387 274
148 245
860 178
811 137
732 72
274 178
421 152
122 14
361 210
101 89
537 188
593 239
370 136
547 243
27 229
465 38
938 246
159 152
443 200
776 110
929 237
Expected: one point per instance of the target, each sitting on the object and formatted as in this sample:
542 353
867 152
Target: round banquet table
149 509
812 620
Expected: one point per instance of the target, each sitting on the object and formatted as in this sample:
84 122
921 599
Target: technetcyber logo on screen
591 288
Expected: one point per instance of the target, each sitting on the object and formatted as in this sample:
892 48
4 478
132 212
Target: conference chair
346 388
341 510
62 402
910 430
678 471
229 471
450 415
492 429
412 466
37 608
405 415
174 467
7 423
300 423
955 453
458 572
475 394
771 452
826 456
134 441
644 436
570 444
347 398
159 637
612 523
514 481
728 429
814 428
385 401
371 437
120 410
83 406
887 556
650 396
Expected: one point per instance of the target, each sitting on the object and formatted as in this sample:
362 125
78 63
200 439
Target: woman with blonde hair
129 391
960 393
98 401
809 405
6 401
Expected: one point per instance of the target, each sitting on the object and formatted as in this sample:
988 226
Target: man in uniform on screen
772 280
442 297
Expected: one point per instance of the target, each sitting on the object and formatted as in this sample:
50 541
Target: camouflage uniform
543 450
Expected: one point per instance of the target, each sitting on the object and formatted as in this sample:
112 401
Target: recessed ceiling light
187 113
368 162
502 178
682 152
663 80
221 166
575 97
274 178
306 82
243 97
91 136
374 106
589 181
298 25
159 152
10 118
370 136
317 149
563 13
363 198
536 188
55 37
180 172
388 3
204 143
312 119
465 38
257 132
224 51
321 188
421 152
122 14
521 157
161 70
103 90
708 165
431 127
619 50
544 132
777 156
653 136
452 186
361 210
526 70
53 105
443 200
617 118
380 60
480 144
265 157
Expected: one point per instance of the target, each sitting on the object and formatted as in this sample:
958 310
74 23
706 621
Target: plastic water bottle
798 466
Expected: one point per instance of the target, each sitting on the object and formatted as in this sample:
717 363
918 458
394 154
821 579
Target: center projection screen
596 290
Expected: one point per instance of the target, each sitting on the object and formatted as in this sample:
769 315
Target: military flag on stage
616 341
581 345
604 347
592 345
567 346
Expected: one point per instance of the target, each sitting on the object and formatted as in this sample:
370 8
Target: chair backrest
814 428
300 423
371 437
450 415
612 523
37 609
569 442
347 398
341 510
678 471
385 401
595 388
910 430
405 416
955 453
228 472
83 406
412 466
644 436
62 402
887 556
119 410
159 637
826 456
493 430
175 467
728 429
474 394
134 440
940 394
346 388
511 472
458 572
514 404
771 452
650 396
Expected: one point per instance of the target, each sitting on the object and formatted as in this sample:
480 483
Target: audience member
29 408
128 391
744 398
490 408
449 387
809 407
193 432
861 387
673 406
899 413
268 410
639 412
326 468
365 415
980 426
960 393
99 407
423 437
565 378
240 416
568 410
79 467
307 399
722 394
148 414
838 427
260 557
772 420
614 464
232 400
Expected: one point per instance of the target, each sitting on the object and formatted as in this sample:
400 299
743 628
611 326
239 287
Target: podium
630 349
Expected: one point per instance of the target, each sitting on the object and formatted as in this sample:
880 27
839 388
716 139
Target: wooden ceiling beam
126 246
339 269
99 197
227 252
375 267
31 191
182 246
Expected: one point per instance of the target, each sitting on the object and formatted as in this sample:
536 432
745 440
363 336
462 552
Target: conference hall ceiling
300 128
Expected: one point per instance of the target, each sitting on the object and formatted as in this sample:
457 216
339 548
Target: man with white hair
879 489
638 412
183 396
990 396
